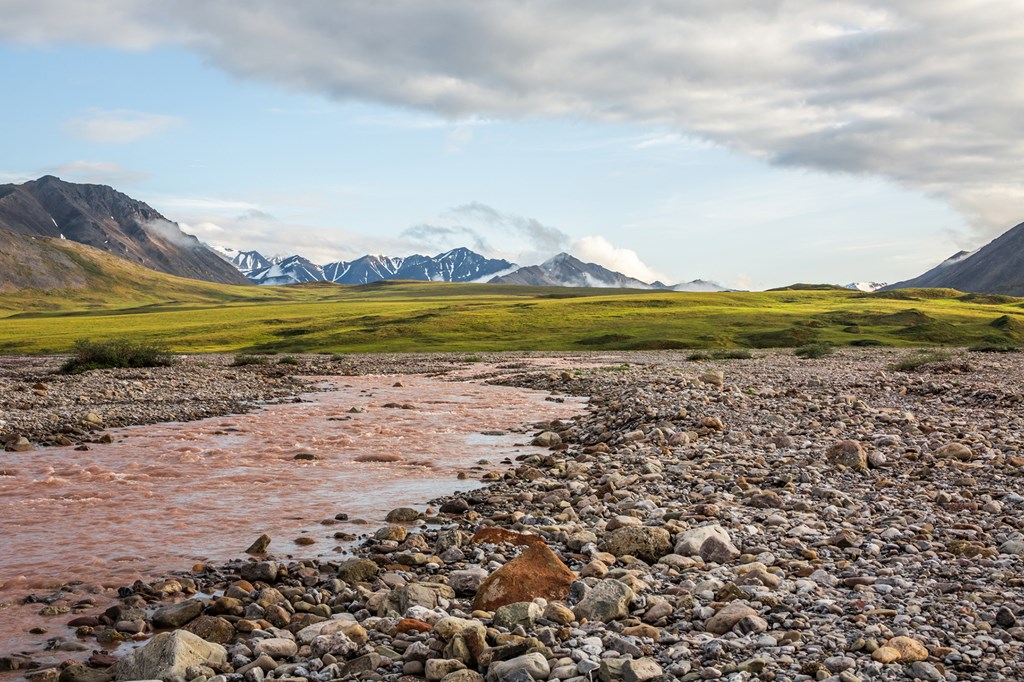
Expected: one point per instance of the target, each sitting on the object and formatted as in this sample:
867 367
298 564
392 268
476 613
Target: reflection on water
165 496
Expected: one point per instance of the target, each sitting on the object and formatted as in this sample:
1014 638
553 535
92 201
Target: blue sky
333 166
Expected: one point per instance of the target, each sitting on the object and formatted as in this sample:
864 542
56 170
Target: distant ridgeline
457 265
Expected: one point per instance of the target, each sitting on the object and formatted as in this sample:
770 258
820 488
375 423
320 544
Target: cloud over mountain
927 93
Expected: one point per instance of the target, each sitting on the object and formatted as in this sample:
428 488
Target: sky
755 143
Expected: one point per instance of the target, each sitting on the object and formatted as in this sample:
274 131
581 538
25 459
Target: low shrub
812 351
994 348
115 353
287 360
245 359
721 354
920 358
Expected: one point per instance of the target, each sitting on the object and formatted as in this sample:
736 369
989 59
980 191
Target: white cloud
597 249
257 230
117 126
97 172
924 92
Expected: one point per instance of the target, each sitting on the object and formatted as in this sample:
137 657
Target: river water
163 497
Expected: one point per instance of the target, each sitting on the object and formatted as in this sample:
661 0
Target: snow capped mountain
457 265
567 271
564 270
246 261
290 270
694 286
866 287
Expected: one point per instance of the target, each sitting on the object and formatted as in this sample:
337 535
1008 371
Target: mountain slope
47 273
996 268
101 217
564 270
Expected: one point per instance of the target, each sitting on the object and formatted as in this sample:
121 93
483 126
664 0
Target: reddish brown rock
849 454
412 625
493 536
537 572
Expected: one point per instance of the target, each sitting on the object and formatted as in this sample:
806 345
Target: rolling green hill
55 292
193 316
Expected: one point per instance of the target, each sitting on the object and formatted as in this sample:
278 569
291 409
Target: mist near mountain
101 217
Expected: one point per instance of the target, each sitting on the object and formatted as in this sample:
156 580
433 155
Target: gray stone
534 663
467 582
647 543
727 617
357 570
276 647
955 451
922 670
547 439
259 571
690 541
849 454
463 676
177 615
641 670
718 551
523 613
606 601
402 515
169 654
439 668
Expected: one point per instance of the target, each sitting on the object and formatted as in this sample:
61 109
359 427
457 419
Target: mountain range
105 219
996 268
37 216
457 265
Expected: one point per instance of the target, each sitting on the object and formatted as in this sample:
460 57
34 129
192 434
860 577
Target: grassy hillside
418 316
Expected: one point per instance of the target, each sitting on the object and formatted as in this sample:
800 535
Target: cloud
538 237
98 172
597 249
173 233
447 237
118 126
927 93
255 229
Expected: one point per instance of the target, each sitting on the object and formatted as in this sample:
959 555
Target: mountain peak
103 218
996 268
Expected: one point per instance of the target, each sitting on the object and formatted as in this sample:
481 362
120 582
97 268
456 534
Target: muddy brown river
163 497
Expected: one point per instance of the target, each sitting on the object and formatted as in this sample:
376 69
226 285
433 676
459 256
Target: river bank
772 518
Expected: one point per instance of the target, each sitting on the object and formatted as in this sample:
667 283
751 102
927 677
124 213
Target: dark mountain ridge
101 217
996 268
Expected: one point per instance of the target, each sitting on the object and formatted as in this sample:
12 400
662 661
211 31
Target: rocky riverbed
774 518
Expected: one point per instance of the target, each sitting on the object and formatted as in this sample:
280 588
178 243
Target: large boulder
535 664
169 654
537 572
647 543
727 617
955 451
606 601
690 541
212 629
357 570
849 454
177 615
